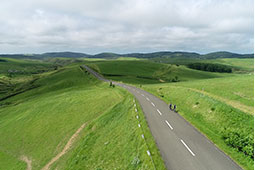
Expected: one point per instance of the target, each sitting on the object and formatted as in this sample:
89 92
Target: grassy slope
243 64
237 90
23 67
210 115
113 141
17 75
39 122
146 72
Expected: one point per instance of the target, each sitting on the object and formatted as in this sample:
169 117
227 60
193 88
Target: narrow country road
182 147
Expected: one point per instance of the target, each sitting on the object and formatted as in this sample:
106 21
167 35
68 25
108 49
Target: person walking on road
170 106
174 107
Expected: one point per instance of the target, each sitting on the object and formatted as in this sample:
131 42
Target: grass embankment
147 72
39 122
221 108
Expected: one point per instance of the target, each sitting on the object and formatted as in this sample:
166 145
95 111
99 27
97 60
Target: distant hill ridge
161 54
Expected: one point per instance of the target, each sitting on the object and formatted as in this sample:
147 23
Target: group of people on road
174 107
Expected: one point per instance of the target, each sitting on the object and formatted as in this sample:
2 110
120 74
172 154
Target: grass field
236 91
38 123
242 65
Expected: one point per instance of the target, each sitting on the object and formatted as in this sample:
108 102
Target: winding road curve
182 147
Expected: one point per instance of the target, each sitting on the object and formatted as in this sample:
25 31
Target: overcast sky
94 26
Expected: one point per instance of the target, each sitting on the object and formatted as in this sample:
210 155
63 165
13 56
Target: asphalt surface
181 146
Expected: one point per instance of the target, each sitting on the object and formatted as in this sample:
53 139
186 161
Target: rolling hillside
146 72
65 114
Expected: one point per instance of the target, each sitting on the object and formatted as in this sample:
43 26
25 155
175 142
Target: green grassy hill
38 123
147 72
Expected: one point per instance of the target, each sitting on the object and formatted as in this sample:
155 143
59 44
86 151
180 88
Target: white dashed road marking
187 148
169 125
152 104
143 95
159 112
147 99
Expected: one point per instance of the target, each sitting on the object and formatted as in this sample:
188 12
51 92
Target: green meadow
37 123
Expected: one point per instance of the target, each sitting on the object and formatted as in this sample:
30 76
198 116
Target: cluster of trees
210 67
240 140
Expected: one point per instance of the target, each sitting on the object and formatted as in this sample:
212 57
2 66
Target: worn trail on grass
66 148
28 161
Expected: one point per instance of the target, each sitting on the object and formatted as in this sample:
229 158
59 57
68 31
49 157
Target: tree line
210 67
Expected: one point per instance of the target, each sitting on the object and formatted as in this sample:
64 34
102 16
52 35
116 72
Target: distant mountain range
161 54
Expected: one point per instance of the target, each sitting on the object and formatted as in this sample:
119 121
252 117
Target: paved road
182 147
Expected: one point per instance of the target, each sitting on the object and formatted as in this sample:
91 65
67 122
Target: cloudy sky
94 26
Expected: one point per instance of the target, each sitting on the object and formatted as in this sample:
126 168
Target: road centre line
169 125
159 112
152 104
187 148
143 95
147 99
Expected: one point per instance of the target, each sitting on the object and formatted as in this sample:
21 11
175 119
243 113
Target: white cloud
126 25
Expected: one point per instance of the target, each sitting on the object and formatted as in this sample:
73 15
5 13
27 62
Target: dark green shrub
240 140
